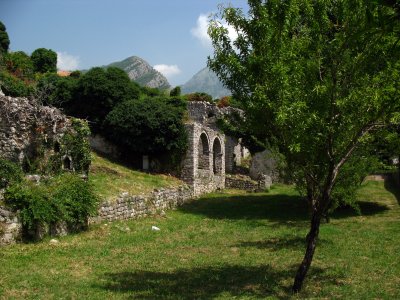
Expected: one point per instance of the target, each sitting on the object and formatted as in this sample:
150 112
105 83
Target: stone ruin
29 134
211 153
29 131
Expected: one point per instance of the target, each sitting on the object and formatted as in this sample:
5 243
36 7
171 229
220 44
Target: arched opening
217 157
204 152
57 147
67 163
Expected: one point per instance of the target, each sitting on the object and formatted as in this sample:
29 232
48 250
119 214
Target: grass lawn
110 179
228 245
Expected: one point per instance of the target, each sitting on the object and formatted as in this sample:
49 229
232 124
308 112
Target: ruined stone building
33 134
211 153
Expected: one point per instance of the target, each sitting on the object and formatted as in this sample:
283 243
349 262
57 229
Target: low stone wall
10 227
242 182
136 206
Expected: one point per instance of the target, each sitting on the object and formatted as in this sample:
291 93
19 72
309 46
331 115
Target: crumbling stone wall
26 126
137 206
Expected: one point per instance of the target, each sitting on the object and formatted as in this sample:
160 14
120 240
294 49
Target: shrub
148 126
10 173
66 198
15 87
199 97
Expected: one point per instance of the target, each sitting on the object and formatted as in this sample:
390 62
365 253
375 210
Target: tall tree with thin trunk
316 79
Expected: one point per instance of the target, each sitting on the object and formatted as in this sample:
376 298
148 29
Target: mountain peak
205 81
142 72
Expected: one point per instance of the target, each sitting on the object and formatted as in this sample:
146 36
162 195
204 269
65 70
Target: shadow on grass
209 282
366 208
276 244
278 208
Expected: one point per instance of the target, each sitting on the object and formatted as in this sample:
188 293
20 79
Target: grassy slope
228 245
110 179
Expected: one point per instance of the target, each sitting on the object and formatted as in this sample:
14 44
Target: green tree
57 91
44 60
152 125
19 64
4 39
98 91
175 92
317 78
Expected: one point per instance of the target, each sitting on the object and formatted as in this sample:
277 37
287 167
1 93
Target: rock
155 228
54 242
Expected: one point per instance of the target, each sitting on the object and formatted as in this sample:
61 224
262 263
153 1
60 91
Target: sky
169 34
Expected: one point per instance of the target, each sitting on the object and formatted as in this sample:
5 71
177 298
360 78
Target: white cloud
67 62
200 31
168 70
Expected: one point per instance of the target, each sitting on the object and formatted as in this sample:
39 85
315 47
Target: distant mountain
205 81
142 72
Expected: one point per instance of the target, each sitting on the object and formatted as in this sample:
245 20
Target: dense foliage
4 39
66 198
148 126
317 79
10 173
98 91
44 60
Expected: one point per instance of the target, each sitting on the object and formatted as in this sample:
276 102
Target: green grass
110 179
223 246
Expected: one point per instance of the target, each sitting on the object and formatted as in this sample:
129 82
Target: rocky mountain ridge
142 72
205 81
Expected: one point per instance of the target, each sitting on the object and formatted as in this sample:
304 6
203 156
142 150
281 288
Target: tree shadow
283 209
276 244
366 209
209 282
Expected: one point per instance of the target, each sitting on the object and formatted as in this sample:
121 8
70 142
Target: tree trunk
311 244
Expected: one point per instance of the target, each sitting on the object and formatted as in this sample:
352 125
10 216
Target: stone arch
203 152
217 156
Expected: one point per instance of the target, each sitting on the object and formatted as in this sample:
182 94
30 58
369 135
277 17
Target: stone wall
24 124
264 163
204 165
10 227
242 182
136 206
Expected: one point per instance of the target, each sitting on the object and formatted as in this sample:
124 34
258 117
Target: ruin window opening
217 157
204 152
57 147
67 163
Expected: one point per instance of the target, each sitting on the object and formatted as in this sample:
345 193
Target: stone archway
203 153
217 156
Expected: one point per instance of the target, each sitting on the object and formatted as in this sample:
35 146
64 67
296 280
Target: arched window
204 152
67 164
217 157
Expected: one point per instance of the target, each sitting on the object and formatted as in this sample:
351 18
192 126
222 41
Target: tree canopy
99 90
44 60
316 80
152 125
4 39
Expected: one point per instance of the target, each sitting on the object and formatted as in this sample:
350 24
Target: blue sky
169 34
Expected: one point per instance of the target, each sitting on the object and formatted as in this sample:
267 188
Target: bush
15 87
10 173
199 97
148 126
66 198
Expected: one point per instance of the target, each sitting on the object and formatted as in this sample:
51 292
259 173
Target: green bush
148 126
15 87
65 198
75 198
10 173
